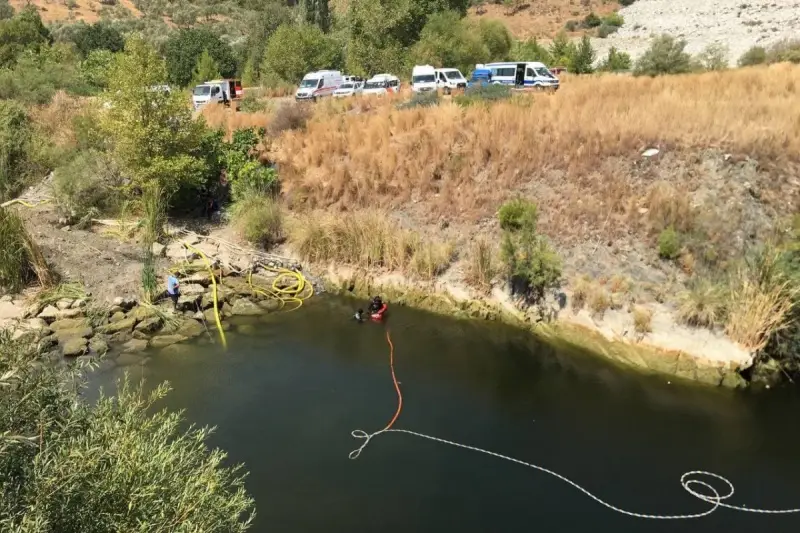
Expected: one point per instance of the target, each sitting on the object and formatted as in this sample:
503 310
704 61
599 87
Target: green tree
96 67
6 11
531 50
583 59
24 31
532 266
152 131
184 48
562 50
447 41
263 24
120 464
292 51
496 38
318 12
714 57
756 55
205 70
98 36
666 55
616 61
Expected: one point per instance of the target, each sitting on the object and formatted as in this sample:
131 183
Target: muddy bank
555 323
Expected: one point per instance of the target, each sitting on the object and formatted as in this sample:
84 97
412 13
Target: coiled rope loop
699 483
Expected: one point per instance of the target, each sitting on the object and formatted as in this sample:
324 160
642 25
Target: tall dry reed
369 240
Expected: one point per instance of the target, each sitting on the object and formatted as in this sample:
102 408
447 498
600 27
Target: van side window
214 91
529 73
319 85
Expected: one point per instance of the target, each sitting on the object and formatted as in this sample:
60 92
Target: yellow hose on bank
216 295
23 203
295 293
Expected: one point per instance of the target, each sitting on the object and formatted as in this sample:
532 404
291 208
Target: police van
528 75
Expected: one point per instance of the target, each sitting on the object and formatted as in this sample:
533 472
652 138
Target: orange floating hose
396 384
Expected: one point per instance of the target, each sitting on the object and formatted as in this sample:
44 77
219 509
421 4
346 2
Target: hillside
75 10
736 24
541 19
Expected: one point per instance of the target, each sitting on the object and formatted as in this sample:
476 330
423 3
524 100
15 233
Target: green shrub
669 243
787 50
289 117
15 145
592 20
121 463
98 36
518 214
616 61
483 94
16 267
89 181
259 219
247 175
613 19
714 57
605 30
531 265
496 38
530 50
666 55
252 104
428 99
756 55
449 40
184 48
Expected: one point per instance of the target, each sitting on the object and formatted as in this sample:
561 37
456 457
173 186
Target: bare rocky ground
738 24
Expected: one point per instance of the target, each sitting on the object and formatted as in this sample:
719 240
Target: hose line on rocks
698 483
288 286
222 337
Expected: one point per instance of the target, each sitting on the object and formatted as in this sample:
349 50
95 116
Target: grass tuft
481 266
703 305
21 260
259 219
642 320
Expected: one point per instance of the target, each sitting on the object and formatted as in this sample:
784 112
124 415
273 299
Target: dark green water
286 397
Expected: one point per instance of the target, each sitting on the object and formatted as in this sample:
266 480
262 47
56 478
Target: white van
219 91
423 78
318 84
382 84
522 75
450 79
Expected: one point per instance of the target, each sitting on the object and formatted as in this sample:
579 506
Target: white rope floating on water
692 482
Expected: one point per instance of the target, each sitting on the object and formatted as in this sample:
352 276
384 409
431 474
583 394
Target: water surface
286 396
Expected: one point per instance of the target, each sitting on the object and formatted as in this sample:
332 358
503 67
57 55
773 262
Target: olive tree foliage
117 465
293 51
184 48
153 134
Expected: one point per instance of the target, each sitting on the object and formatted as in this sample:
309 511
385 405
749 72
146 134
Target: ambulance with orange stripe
318 84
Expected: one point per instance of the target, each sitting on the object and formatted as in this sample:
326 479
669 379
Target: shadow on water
286 396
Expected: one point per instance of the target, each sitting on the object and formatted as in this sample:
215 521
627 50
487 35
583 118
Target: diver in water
375 305
359 316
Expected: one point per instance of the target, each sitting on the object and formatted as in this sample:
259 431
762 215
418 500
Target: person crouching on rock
173 290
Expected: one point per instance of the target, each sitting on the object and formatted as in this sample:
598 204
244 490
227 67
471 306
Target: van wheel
314 99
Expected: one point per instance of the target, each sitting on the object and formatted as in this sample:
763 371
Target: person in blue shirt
173 290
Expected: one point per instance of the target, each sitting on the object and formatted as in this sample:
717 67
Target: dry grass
703 305
642 320
229 120
369 240
758 310
572 151
481 267
599 301
619 284
54 120
581 289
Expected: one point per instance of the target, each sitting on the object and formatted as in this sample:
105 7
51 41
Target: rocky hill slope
738 24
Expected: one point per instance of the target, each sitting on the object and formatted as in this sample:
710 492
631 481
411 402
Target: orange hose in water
396 384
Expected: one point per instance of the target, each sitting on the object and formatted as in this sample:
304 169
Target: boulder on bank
68 323
74 347
116 317
158 249
65 335
189 302
64 303
162 341
48 313
98 346
149 325
244 307
190 329
125 303
124 325
134 346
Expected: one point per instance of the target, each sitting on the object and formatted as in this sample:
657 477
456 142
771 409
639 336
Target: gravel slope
739 24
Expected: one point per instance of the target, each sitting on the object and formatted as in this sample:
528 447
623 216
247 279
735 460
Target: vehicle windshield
309 84
201 90
346 86
453 75
544 73
375 85
424 78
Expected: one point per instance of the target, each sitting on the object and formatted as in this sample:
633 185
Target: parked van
382 84
450 79
423 78
522 75
219 91
318 84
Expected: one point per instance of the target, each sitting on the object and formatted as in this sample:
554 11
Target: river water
287 394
